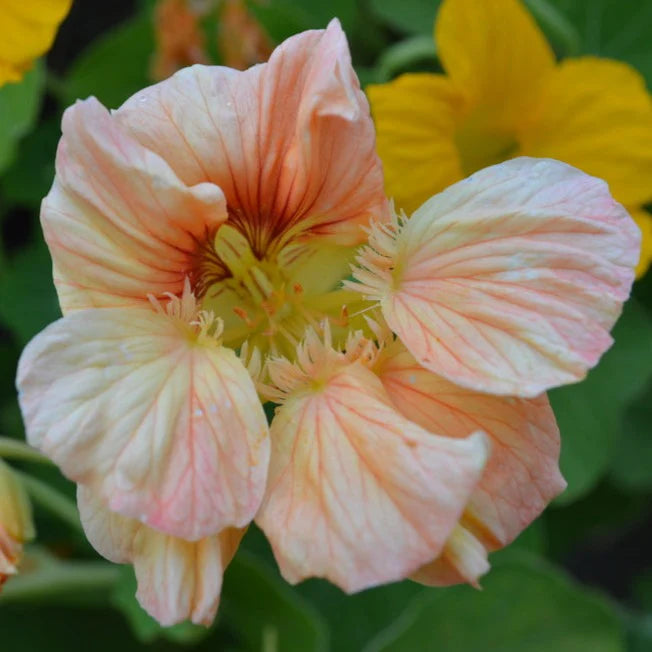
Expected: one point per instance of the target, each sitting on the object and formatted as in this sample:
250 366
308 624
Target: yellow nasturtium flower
504 95
27 30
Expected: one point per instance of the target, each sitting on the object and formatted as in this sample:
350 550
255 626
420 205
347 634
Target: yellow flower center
481 142
270 301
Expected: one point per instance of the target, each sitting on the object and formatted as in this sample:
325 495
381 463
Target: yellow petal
415 122
596 114
494 53
27 29
164 421
644 221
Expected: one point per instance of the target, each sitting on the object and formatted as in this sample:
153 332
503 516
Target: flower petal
596 114
164 422
177 580
495 54
509 281
357 493
118 221
522 475
290 142
415 118
28 29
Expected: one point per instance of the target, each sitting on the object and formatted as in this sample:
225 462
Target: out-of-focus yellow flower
27 29
15 522
504 95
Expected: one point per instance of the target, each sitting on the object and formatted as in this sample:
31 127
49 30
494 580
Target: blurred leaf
407 16
559 30
590 414
28 301
631 463
283 18
526 606
618 29
19 107
145 628
29 177
356 619
114 66
264 613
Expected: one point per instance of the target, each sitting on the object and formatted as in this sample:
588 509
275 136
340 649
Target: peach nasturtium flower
27 30
202 237
504 95
16 525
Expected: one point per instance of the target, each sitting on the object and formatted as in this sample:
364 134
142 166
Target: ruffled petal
177 580
507 282
290 142
415 118
162 420
596 114
495 54
119 223
522 475
357 493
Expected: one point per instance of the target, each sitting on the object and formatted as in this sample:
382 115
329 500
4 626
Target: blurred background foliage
580 578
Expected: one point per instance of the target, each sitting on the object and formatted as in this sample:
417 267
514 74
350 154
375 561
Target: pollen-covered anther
375 269
317 360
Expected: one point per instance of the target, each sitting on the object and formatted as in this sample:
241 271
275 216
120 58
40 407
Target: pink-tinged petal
462 561
509 281
118 221
163 421
177 580
357 493
291 142
522 475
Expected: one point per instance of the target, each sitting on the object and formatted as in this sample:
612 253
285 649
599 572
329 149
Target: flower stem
53 581
19 450
52 500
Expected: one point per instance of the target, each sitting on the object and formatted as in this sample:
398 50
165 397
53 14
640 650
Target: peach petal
118 221
291 142
357 493
177 580
522 475
508 282
165 422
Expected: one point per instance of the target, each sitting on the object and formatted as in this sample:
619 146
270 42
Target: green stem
51 582
52 500
400 57
19 450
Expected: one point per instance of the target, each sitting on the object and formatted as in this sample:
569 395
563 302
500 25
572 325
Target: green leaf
19 107
283 18
264 613
114 66
590 414
526 606
407 16
28 301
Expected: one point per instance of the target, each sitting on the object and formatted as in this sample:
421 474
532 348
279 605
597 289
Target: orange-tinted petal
357 493
495 54
162 420
118 221
177 580
509 281
290 142
522 475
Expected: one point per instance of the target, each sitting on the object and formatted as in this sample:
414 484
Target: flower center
271 301
481 143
